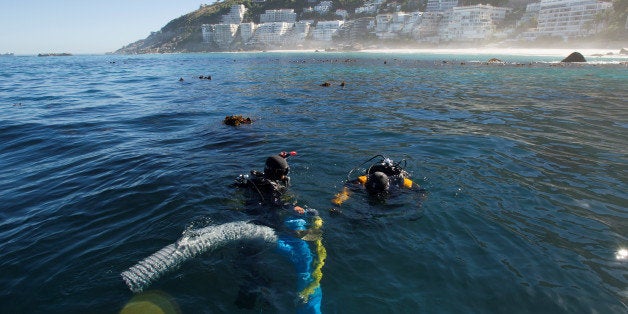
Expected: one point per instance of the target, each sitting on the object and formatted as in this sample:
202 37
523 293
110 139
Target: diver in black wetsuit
297 224
271 184
380 180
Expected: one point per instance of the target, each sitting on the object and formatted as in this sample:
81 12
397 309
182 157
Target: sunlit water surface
104 160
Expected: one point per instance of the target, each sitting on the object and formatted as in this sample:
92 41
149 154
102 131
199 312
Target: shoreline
524 52
589 53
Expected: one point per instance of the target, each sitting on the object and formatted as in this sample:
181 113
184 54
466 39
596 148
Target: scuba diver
296 226
295 231
380 181
272 183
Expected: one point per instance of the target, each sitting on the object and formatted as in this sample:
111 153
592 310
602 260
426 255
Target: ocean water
105 160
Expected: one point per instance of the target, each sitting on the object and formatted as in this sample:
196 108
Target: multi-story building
281 15
443 21
570 18
298 33
531 13
382 21
440 5
399 21
302 29
390 25
428 29
247 30
324 30
271 34
224 34
411 23
369 7
207 31
353 31
234 16
472 22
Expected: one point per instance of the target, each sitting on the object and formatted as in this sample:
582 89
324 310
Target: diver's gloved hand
241 179
305 211
299 210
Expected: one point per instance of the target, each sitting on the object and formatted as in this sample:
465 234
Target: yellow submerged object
362 179
407 183
317 274
341 197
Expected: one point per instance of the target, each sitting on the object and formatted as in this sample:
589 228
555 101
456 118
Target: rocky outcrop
575 57
494 61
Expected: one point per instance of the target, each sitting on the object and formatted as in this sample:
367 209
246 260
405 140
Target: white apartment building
298 33
382 21
569 18
411 23
428 29
282 15
440 5
271 33
399 21
369 7
224 34
234 16
389 25
302 28
532 12
247 30
208 31
473 22
324 30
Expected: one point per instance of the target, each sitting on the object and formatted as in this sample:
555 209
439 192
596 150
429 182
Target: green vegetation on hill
616 28
182 34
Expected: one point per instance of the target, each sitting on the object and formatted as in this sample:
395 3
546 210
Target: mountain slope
182 34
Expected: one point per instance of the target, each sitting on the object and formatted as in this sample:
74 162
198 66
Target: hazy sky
83 26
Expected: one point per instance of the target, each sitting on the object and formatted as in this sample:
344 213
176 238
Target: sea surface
105 160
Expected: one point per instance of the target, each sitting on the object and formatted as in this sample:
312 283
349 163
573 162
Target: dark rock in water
237 120
575 57
495 60
623 51
326 84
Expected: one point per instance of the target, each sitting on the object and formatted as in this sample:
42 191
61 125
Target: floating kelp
237 120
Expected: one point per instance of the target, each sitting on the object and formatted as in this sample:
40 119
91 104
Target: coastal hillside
184 34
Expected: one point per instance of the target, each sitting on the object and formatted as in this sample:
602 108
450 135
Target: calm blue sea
105 160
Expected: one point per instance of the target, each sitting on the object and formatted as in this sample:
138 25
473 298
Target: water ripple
106 159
